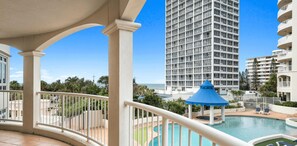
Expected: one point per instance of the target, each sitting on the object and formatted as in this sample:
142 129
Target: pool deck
251 113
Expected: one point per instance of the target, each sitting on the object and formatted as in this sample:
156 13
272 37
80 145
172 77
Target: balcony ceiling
29 17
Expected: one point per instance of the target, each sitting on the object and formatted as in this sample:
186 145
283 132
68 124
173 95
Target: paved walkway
273 115
10 138
250 112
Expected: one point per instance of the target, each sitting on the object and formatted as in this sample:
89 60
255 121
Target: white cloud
46 76
18 76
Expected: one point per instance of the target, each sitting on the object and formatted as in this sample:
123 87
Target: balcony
285 42
82 119
281 3
285 12
285 27
284 56
284 69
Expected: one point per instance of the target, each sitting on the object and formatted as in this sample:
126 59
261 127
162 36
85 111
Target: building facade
202 43
287 73
265 67
4 77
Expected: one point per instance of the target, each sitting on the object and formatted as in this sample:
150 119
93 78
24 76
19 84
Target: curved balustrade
82 114
144 117
11 105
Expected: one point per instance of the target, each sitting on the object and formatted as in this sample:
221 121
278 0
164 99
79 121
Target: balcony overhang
285 28
285 42
281 3
31 17
285 13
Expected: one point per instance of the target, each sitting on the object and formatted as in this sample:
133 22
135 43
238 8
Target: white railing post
164 131
88 121
63 112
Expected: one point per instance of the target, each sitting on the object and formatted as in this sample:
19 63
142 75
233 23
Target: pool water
244 128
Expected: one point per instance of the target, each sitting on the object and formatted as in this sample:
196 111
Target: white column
190 111
223 113
120 35
31 86
202 110
211 115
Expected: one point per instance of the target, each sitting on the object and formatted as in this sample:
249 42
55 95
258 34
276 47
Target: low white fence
141 133
283 109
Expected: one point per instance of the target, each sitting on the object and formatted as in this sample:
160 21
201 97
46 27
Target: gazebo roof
207 96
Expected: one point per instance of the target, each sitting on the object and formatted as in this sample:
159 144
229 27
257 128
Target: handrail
15 91
212 134
75 95
82 114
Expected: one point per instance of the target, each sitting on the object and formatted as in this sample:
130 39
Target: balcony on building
285 56
282 3
285 42
284 83
285 12
285 27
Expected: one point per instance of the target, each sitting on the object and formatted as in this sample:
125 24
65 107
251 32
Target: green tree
237 93
255 81
15 85
273 66
269 89
244 80
153 100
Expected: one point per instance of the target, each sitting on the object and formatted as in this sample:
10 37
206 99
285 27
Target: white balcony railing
143 119
82 114
284 55
286 68
11 105
284 27
284 40
87 116
284 10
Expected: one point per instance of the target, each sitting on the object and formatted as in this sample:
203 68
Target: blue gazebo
207 96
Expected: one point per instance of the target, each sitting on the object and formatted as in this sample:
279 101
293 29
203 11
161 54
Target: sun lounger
282 143
266 111
258 110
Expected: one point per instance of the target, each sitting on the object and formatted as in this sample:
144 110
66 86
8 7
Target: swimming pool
244 128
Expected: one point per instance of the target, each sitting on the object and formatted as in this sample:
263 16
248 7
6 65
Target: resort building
202 43
4 76
287 73
266 65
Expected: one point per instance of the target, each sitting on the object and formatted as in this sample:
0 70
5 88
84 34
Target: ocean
155 86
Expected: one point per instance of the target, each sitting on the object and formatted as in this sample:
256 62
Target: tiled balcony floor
9 138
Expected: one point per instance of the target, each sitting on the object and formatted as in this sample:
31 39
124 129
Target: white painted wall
283 109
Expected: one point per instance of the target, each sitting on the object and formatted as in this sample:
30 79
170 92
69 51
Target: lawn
273 141
138 135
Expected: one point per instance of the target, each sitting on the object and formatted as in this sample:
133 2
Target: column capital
32 53
121 25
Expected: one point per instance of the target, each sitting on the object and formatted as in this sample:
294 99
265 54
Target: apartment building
287 73
4 77
202 43
265 66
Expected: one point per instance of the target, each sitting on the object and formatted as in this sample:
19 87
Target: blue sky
85 53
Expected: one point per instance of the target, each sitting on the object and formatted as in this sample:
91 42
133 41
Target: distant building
4 76
287 29
202 43
264 67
